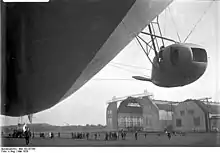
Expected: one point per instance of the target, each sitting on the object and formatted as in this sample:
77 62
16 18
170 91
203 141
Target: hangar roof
165 105
212 108
130 105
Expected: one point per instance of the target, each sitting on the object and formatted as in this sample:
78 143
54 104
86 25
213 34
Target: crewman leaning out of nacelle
161 53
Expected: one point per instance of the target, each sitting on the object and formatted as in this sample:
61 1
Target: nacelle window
199 55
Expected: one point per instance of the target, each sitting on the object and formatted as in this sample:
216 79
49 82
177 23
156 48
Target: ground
192 139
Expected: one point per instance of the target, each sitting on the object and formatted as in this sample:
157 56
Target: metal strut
144 51
154 42
152 39
163 38
158 25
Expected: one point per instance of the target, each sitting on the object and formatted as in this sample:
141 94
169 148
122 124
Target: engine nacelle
179 65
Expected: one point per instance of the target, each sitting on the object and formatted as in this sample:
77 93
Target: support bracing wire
160 30
145 43
122 68
200 19
174 25
164 28
160 37
150 48
144 51
154 36
131 66
155 50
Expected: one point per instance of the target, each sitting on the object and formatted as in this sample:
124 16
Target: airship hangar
143 113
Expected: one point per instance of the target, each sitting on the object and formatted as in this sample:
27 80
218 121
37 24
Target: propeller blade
141 78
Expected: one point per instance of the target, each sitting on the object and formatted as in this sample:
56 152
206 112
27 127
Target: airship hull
51 50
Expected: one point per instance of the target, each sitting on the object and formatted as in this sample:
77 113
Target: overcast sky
88 104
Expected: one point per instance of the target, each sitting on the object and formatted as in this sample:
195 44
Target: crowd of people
111 135
106 136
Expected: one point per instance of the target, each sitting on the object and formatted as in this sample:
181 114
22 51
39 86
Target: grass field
191 139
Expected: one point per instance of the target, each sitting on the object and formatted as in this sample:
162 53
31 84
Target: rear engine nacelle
183 54
180 64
